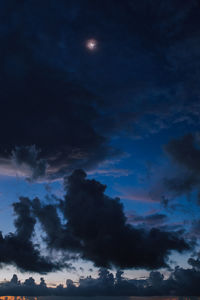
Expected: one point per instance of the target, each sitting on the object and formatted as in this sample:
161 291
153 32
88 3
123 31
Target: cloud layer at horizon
180 282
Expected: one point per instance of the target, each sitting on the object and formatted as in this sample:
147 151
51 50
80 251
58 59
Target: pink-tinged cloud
7 168
114 172
136 194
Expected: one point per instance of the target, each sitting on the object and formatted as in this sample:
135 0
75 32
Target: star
91 44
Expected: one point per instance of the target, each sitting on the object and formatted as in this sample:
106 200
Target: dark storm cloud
95 225
179 175
24 222
195 228
18 249
195 263
185 153
86 224
58 236
68 102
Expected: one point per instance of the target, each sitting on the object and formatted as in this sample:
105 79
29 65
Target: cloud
180 282
95 225
18 249
195 263
86 224
152 220
137 194
195 228
177 175
186 154
28 287
27 157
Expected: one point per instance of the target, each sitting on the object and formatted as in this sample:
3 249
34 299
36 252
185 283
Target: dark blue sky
126 113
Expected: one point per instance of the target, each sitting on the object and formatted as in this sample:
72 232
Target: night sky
100 147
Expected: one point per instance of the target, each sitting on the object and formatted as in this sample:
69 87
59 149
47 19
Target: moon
91 44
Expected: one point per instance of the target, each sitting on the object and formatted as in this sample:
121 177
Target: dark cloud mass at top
45 108
68 103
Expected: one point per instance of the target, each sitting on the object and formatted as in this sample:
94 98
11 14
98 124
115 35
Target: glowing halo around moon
91 44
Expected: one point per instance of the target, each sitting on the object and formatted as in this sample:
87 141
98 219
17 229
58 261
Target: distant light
91 44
